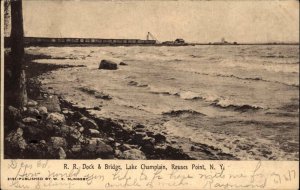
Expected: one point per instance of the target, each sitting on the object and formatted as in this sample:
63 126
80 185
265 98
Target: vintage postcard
130 94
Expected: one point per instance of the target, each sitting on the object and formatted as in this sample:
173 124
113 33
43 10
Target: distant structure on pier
223 42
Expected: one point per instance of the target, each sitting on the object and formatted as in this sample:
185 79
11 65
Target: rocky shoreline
49 127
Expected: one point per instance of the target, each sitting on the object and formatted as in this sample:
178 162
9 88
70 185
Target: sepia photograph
150 80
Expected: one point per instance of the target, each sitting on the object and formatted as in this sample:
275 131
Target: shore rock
34 133
20 125
111 139
160 138
133 154
122 63
14 112
65 130
32 112
57 142
100 149
148 145
61 153
56 118
125 147
80 129
104 151
102 95
147 139
15 141
88 123
37 151
118 153
51 103
43 110
77 115
139 126
138 137
176 153
150 133
126 132
244 146
76 148
98 108
94 132
75 135
148 148
32 103
29 120
109 65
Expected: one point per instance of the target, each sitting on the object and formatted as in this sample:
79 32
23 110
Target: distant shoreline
247 44
156 45
47 41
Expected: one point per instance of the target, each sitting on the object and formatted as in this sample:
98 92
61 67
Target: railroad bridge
46 41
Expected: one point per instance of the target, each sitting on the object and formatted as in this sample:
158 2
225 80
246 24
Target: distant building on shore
178 41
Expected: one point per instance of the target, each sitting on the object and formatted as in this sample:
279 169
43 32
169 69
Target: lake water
241 100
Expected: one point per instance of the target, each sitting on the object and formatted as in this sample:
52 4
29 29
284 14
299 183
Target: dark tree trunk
17 52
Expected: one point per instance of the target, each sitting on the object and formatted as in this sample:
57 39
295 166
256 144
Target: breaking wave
257 79
214 100
225 104
95 93
249 78
177 113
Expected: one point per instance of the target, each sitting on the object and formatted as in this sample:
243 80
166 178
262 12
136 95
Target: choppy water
223 96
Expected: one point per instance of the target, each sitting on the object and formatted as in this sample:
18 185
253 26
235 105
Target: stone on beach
88 123
14 112
133 154
15 140
43 110
76 148
94 140
122 63
77 115
56 118
66 131
111 139
109 65
138 137
75 135
51 103
37 150
148 148
29 120
101 95
94 132
124 147
139 126
160 138
34 133
61 153
32 111
148 140
31 103
57 142
104 150
100 149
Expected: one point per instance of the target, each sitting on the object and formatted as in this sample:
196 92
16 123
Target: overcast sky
202 21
